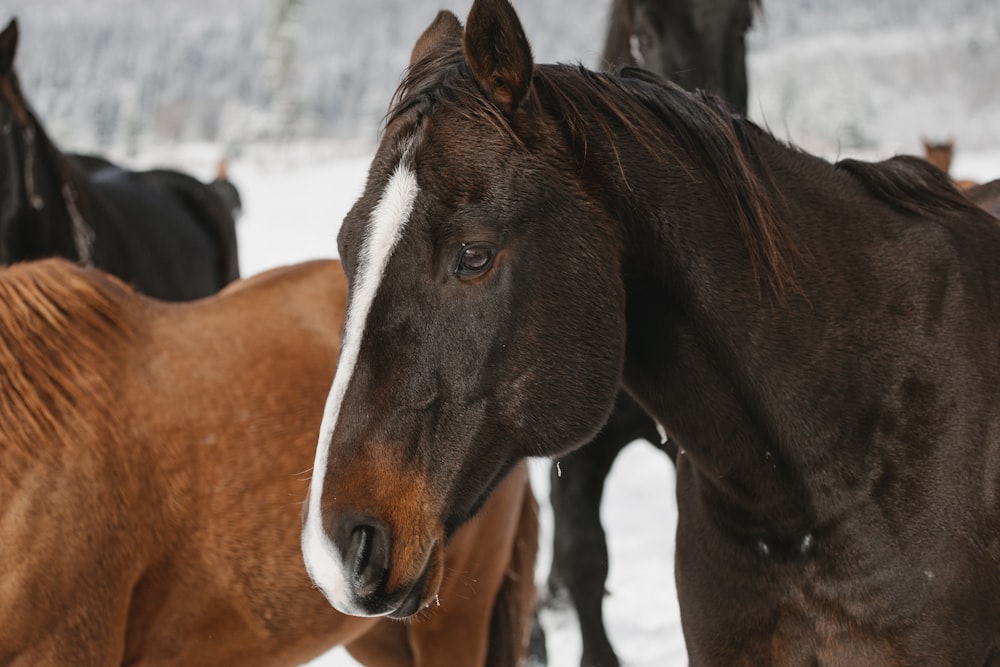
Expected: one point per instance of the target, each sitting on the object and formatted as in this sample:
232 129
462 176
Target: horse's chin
424 591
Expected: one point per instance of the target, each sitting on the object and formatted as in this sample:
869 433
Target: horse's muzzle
374 585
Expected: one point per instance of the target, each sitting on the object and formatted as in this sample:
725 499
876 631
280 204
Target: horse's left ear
445 30
8 46
498 52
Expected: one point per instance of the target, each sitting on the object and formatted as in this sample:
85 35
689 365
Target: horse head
454 364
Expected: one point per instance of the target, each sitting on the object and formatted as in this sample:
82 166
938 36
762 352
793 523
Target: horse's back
282 326
169 233
212 205
276 307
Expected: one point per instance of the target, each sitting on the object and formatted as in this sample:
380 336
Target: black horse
822 342
165 232
695 43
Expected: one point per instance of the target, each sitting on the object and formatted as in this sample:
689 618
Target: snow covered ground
294 200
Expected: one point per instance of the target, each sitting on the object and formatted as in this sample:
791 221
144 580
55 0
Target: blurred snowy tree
283 68
110 74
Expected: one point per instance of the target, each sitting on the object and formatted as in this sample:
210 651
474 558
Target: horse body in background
986 196
152 467
820 340
695 43
163 231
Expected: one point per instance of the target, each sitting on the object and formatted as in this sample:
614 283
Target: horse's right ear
8 46
498 52
445 30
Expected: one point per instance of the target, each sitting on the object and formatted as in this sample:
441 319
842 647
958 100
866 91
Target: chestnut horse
163 231
820 340
152 466
940 154
697 43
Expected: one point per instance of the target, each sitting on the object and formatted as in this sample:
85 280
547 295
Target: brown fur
153 462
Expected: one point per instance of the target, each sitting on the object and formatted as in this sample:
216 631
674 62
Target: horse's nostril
361 539
367 556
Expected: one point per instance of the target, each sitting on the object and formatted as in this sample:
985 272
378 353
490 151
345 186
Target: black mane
909 184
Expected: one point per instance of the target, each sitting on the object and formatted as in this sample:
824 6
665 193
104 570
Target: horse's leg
482 558
580 550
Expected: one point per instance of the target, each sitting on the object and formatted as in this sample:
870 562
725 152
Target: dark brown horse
163 231
696 43
820 340
153 461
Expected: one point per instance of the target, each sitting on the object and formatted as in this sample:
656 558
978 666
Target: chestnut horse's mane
57 329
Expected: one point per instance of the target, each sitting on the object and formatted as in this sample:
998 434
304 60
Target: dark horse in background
822 342
697 44
163 231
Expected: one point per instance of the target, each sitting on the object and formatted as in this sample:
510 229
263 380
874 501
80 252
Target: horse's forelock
444 80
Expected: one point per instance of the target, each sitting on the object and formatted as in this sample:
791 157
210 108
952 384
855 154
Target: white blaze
322 558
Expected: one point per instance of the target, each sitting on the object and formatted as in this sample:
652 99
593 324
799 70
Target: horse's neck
704 328
50 220
778 398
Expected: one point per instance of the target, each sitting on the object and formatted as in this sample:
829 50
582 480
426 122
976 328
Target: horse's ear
445 30
498 52
8 46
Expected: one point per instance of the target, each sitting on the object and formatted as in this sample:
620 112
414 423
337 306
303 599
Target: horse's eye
474 260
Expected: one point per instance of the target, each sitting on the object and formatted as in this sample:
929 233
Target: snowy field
294 202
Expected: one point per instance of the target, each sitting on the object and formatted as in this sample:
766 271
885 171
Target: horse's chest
855 594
